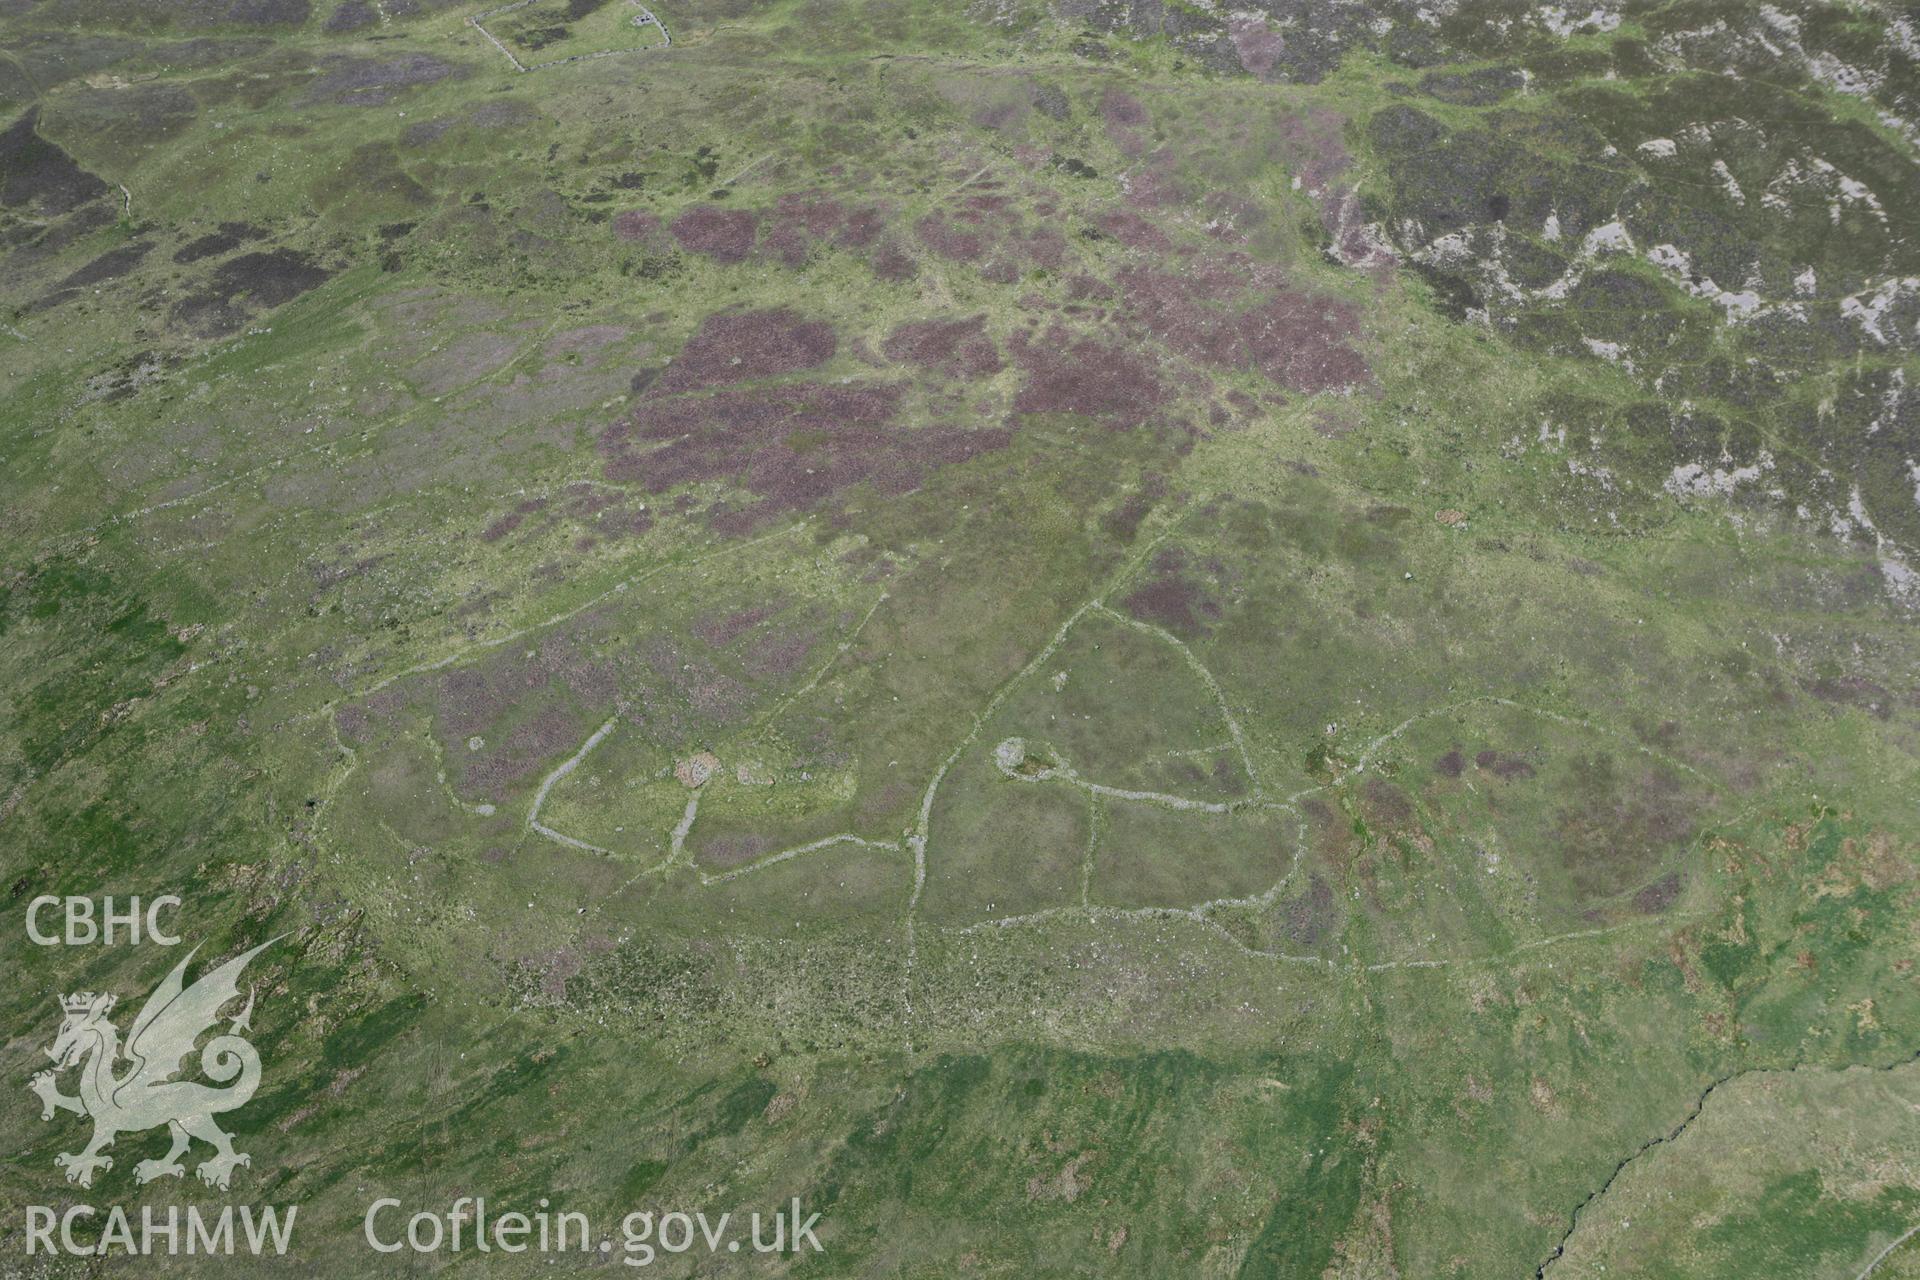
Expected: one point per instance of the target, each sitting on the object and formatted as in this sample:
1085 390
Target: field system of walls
1103 638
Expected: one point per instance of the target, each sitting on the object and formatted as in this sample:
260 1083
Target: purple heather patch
960 347
739 346
793 447
1083 375
1299 340
725 235
636 224
1258 45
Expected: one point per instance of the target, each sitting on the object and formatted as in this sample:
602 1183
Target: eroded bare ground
1306 613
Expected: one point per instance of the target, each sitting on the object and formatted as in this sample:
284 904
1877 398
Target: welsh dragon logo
144 1095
